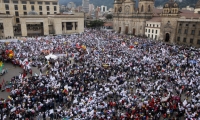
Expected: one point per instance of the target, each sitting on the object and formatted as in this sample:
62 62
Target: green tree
95 24
109 16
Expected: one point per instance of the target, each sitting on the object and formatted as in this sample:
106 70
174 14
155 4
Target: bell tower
117 6
146 6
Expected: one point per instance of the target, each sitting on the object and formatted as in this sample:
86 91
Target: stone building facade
37 17
159 24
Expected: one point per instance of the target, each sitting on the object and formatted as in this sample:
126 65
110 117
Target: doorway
167 37
133 31
126 30
119 30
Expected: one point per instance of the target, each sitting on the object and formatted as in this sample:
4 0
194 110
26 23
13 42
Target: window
152 31
186 24
55 3
40 3
47 3
192 32
16 14
40 8
55 8
149 30
148 35
146 30
198 42
7 7
16 7
180 24
40 13
24 7
7 12
24 2
179 31
178 39
153 25
150 25
15 2
184 39
149 8
194 25
48 13
32 2
47 8
157 25
32 7
155 37
17 20
25 13
186 31
152 36
147 24
191 40
156 31
55 12
142 8
6 1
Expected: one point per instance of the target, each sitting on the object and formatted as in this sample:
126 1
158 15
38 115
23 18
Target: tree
95 24
109 16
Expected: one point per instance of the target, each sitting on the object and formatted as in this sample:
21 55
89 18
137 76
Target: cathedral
169 24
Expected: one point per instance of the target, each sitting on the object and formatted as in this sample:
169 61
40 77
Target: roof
155 19
157 12
189 14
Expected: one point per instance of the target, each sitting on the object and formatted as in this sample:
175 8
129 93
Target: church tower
117 6
146 7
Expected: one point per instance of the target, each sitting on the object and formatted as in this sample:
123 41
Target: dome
32 13
171 4
197 5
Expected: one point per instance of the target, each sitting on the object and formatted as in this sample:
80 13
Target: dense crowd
103 76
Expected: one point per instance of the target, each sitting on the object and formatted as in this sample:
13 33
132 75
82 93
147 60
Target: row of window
152 36
152 25
185 40
187 25
25 13
31 2
186 31
149 31
32 7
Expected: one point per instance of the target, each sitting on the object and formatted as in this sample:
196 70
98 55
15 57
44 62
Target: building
169 24
91 7
37 17
103 8
127 19
85 5
71 5
188 8
152 28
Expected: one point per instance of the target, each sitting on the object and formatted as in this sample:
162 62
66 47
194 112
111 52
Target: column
65 28
8 27
73 28
46 27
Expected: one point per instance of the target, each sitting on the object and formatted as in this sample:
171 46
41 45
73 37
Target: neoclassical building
169 24
37 17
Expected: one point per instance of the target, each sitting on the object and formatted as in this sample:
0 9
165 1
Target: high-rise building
103 8
71 5
85 5
91 7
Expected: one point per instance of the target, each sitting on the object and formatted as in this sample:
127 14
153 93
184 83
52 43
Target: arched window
142 8
149 8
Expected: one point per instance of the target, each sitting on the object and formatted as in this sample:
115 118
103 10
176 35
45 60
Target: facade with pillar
38 25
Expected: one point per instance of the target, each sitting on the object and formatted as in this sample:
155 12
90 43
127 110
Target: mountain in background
109 3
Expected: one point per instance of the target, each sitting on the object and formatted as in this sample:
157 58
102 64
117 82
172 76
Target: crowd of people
103 76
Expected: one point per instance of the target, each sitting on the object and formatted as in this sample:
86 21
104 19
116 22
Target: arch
167 37
142 8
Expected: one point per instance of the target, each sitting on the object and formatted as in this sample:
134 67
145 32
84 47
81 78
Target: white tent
51 56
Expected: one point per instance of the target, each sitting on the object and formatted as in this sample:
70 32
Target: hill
109 3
